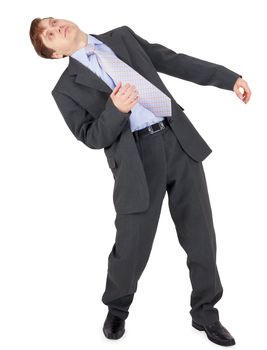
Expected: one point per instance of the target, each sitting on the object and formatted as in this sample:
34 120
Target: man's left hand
245 95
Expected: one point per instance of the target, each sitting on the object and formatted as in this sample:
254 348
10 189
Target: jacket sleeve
96 133
186 67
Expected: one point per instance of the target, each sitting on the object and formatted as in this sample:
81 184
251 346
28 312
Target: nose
61 29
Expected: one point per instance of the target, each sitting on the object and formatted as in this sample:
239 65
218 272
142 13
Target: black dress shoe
216 333
113 326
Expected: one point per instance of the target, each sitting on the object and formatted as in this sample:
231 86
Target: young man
112 97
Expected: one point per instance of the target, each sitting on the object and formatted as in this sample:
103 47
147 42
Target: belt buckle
161 126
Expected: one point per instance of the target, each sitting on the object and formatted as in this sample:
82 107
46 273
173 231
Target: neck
83 40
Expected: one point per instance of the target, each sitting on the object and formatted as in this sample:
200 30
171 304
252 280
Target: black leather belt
152 129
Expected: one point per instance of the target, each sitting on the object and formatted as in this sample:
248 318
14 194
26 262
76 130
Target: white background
57 222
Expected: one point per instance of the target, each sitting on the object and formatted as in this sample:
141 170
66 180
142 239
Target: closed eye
50 34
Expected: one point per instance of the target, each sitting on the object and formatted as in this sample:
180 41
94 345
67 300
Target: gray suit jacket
83 100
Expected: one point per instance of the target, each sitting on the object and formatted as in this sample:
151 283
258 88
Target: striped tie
150 96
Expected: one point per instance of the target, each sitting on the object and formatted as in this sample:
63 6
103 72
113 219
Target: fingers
127 89
116 89
246 93
133 100
124 97
128 92
239 94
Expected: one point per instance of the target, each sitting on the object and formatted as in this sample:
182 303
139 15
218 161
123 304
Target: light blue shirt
140 116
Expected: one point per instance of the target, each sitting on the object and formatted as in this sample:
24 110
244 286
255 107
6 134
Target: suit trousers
167 168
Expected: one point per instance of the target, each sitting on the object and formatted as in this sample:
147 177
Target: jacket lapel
87 77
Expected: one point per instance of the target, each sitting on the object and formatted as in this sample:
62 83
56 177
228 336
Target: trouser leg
190 210
135 232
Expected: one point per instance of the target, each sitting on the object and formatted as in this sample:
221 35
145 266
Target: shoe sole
114 336
201 328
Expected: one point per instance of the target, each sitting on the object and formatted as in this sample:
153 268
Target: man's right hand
124 97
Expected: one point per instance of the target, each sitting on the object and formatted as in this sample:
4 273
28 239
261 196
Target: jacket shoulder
63 79
126 28
117 29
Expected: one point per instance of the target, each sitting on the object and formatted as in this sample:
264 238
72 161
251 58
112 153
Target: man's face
60 35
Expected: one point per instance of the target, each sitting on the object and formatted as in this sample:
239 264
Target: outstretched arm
186 67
